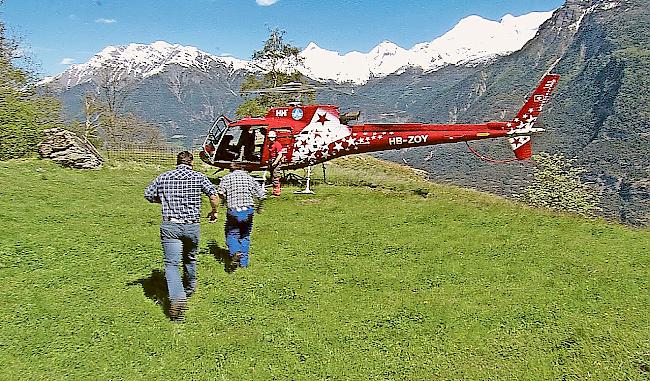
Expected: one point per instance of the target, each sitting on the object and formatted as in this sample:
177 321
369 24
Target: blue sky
59 32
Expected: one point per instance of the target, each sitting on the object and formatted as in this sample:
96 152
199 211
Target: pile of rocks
67 149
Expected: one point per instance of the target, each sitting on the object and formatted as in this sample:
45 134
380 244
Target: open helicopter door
245 144
212 143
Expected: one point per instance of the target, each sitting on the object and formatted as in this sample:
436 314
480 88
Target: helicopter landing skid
307 190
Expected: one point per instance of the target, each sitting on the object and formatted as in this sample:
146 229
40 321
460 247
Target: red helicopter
313 134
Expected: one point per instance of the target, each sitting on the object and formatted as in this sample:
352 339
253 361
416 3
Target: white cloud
67 61
266 3
105 21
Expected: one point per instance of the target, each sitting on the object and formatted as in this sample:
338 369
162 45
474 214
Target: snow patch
612 5
576 25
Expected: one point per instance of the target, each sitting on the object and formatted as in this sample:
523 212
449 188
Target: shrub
19 133
557 184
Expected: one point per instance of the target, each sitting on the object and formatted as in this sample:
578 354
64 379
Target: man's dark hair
235 166
185 157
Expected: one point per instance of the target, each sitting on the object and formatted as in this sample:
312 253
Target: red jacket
274 151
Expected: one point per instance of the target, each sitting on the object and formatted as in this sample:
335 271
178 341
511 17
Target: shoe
189 287
235 262
177 311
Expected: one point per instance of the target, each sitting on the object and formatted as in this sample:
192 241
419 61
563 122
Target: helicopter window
259 137
225 151
217 129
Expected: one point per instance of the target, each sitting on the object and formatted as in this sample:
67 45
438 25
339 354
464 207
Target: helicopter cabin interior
241 144
227 143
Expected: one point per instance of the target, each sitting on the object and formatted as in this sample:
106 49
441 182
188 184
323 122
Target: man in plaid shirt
239 191
179 192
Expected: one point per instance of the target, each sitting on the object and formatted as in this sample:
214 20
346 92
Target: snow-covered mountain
142 61
473 40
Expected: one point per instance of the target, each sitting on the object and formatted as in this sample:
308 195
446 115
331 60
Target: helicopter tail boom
522 126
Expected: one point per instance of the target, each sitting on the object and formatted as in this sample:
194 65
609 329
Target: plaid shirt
179 192
239 188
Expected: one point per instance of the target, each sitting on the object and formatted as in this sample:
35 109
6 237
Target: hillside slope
597 115
182 101
364 280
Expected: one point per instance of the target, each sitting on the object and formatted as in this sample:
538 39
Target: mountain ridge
471 41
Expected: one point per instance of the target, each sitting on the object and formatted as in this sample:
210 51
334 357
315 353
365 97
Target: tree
114 85
278 60
106 105
115 130
105 109
89 129
23 113
131 129
557 185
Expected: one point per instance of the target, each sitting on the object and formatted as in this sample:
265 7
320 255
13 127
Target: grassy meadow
378 276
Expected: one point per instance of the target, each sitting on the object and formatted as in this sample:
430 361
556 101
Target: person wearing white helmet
275 158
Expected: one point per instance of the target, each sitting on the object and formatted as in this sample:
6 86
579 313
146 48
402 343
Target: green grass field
381 276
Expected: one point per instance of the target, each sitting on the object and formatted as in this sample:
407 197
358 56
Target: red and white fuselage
316 133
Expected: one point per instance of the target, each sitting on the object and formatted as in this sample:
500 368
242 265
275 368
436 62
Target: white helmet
272 134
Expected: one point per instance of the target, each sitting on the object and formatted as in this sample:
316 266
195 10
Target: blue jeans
180 242
239 225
